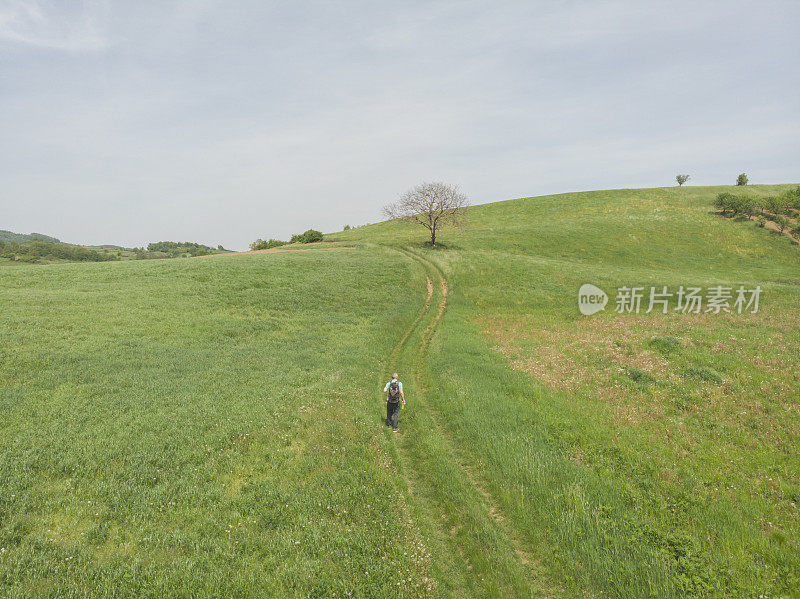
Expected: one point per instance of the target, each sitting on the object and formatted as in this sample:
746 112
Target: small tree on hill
432 205
750 205
681 179
792 198
741 179
781 223
772 204
725 202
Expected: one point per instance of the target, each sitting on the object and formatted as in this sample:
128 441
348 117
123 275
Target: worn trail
477 550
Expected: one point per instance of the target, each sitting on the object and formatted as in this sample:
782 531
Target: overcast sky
220 122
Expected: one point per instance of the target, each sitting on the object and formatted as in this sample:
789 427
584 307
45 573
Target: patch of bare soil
771 225
283 249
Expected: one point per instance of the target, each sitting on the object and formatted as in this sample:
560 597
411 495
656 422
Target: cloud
222 122
49 25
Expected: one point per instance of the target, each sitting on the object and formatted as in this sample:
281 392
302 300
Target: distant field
214 427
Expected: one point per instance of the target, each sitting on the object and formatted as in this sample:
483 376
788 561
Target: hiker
394 389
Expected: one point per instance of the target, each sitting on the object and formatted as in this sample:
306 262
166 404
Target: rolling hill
214 427
23 237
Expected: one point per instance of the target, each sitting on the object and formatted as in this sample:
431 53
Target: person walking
395 395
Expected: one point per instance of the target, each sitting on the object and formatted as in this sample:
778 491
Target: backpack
394 392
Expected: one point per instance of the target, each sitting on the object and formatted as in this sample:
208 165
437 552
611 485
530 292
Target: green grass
636 455
202 427
213 427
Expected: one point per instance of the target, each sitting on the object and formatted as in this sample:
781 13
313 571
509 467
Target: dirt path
772 226
278 250
435 471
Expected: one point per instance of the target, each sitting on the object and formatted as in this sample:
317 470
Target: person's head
394 375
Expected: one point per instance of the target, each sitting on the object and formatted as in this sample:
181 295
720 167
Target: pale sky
220 122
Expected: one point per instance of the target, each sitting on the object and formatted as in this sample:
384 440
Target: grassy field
204 427
213 427
633 455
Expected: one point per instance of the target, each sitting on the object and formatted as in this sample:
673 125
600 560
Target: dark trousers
392 411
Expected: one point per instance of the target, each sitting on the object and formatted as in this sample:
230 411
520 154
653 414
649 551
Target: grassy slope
684 483
219 414
202 427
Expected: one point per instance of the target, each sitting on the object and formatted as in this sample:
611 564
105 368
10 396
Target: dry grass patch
637 364
585 352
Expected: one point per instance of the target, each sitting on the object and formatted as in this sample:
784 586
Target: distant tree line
782 210
24 237
48 251
31 248
177 249
310 236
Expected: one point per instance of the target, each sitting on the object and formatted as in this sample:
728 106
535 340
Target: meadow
213 426
630 455
202 427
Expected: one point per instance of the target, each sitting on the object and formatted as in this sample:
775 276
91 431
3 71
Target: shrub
749 205
724 202
781 222
744 204
260 244
772 204
310 236
741 179
792 199
762 222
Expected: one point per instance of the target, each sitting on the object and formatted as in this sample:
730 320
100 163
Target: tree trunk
433 237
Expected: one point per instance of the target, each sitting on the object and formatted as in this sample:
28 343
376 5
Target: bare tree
432 205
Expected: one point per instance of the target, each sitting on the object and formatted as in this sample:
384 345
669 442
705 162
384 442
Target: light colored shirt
399 384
